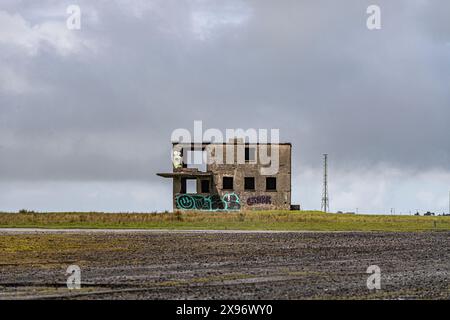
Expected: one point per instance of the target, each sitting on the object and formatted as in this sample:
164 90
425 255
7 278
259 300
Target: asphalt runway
208 264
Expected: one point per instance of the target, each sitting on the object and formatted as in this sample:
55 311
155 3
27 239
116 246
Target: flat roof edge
232 143
184 174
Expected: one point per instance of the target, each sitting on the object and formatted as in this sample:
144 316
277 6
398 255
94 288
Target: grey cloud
310 68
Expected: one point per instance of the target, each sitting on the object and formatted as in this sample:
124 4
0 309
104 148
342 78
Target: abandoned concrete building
231 176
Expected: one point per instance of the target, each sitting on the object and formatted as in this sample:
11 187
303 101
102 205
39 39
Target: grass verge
250 220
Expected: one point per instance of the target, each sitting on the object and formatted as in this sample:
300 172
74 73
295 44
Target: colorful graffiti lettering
259 200
229 202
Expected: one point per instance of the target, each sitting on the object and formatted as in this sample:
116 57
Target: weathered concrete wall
239 198
260 198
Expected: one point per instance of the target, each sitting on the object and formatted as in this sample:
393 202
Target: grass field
250 220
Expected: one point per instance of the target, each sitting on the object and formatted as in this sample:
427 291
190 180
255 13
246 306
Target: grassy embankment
250 220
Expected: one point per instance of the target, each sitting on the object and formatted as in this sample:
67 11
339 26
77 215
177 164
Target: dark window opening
183 185
250 154
227 183
205 186
271 183
249 183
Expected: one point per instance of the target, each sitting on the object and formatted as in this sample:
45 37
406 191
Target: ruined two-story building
231 176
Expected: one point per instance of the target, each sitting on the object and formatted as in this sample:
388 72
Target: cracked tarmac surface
130 264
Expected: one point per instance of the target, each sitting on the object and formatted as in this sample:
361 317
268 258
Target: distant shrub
26 211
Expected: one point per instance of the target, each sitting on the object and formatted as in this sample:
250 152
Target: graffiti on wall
232 201
259 200
229 202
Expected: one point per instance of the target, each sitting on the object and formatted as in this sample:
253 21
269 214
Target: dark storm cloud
105 109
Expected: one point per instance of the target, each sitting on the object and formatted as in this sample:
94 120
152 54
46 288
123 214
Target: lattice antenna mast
325 200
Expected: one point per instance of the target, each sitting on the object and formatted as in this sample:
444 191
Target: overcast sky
86 115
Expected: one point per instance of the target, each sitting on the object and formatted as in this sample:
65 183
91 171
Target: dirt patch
177 265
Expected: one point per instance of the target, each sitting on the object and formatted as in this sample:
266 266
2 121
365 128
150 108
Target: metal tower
325 201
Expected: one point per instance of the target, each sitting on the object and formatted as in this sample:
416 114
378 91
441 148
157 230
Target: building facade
231 176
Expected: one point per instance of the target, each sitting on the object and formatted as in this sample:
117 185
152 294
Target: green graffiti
229 202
